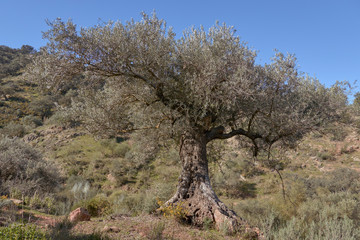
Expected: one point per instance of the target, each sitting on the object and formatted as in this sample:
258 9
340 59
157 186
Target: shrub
14 130
157 231
22 232
32 121
338 134
122 171
42 107
7 89
145 201
81 190
326 156
62 118
323 215
177 211
229 180
114 149
241 189
24 168
65 100
326 227
160 191
7 204
339 180
131 204
96 206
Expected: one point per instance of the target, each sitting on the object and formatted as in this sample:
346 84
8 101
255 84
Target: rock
223 222
115 229
30 137
142 234
111 229
106 229
16 201
111 178
53 130
79 214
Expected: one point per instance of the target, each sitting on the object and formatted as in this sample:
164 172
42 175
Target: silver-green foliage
137 75
24 168
13 130
326 228
321 217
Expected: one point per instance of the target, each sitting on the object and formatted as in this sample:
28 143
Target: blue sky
323 34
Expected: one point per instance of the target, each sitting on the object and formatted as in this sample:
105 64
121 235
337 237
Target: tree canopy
137 75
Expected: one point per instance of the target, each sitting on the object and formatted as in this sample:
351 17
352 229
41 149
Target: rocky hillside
310 190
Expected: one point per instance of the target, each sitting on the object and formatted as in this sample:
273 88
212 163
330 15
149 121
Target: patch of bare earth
145 227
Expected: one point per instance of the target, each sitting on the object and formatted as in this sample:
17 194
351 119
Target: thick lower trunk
194 188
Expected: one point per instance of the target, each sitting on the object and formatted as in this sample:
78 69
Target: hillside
310 190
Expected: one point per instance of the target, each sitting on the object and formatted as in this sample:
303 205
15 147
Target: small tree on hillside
198 88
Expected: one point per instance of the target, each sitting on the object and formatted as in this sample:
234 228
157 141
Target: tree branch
218 133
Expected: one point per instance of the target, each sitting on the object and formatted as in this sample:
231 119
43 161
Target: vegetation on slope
309 192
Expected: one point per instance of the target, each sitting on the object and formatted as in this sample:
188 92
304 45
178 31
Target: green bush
22 232
96 206
114 149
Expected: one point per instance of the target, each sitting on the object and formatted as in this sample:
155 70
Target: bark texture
194 188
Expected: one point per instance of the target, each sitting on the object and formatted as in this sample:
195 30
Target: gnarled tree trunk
194 188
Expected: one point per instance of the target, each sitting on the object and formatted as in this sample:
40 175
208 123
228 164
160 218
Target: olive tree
202 86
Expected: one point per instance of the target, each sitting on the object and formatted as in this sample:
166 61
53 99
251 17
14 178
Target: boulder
223 222
79 214
111 229
17 201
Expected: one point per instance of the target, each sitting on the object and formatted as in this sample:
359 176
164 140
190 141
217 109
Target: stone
224 222
16 201
79 214
111 229
111 178
106 229
30 137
